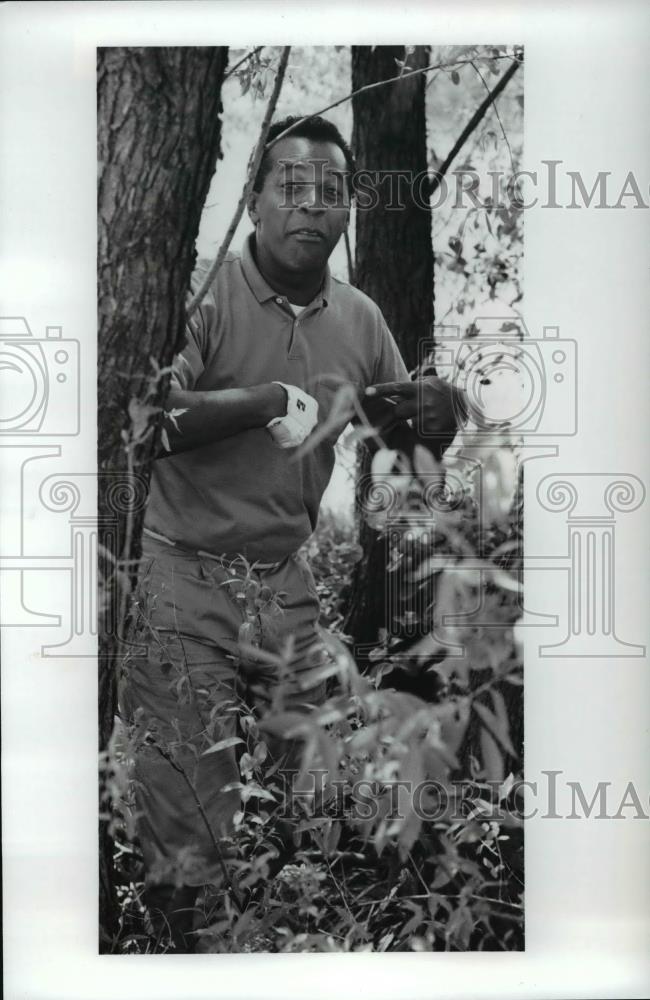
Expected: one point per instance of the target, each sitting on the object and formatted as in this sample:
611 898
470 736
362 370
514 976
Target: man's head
300 204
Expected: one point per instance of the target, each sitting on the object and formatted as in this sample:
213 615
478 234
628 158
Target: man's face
303 207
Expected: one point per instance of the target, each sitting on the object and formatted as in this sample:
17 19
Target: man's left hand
438 407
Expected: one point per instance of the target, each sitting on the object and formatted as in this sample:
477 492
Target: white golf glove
298 422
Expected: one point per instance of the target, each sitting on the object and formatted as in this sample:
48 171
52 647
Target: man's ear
253 214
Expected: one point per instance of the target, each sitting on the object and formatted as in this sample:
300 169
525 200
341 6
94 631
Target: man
230 506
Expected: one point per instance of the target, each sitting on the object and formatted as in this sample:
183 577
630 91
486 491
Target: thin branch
450 895
248 186
249 55
215 843
348 253
472 124
338 887
126 550
373 86
498 117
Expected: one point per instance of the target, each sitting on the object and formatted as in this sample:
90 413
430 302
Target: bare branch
373 86
348 253
248 186
472 124
498 116
249 55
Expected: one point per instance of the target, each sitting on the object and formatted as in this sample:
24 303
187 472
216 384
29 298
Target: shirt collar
261 288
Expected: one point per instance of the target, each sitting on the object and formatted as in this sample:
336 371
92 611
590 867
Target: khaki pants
187 682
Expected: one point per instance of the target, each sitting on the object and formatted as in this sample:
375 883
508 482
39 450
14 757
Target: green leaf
232 786
492 757
441 879
498 727
383 462
502 715
142 416
506 787
386 940
253 791
332 837
286 724
341 411
174 413
454 719
424 463
244 921
408 834
310 678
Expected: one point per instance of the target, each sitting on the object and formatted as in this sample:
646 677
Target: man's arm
214 415
196 417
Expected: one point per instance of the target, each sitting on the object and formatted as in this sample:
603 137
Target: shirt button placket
294 331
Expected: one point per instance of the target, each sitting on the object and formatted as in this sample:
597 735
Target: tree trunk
394 258
158 143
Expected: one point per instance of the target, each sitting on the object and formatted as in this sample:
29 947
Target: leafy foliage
477 238
369 869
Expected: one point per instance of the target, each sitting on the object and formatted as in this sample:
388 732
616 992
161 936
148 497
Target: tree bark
394 252
158 142
394 258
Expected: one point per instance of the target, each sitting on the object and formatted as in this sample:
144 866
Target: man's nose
312 202
312 206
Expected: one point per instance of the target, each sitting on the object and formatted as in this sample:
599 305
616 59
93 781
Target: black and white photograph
312 694
323 582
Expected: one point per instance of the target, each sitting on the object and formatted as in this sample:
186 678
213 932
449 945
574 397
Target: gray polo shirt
244 495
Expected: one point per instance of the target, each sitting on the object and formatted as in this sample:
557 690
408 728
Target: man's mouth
310 235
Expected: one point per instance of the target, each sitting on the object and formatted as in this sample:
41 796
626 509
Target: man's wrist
273 401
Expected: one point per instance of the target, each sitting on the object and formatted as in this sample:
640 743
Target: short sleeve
389 366
189 364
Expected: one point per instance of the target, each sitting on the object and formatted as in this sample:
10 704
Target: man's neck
298 288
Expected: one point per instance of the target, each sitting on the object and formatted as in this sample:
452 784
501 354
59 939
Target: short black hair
317 129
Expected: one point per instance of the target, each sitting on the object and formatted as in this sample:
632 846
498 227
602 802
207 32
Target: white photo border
586 272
